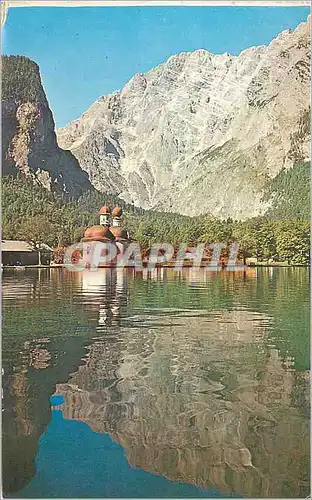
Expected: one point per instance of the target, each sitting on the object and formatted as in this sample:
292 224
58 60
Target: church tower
104 214
116 214
120 234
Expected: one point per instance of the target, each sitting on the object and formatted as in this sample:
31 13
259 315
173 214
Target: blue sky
86 52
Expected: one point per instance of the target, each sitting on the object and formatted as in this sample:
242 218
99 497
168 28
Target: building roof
16 246
117 211
105 210
21 246
98 233
119 233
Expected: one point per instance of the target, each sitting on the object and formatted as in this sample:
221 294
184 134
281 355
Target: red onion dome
105 210
117 212
119 233
98 233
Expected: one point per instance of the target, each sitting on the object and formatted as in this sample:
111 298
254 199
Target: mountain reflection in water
201 378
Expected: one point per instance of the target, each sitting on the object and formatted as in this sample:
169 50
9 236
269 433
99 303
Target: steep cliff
201 132
28 136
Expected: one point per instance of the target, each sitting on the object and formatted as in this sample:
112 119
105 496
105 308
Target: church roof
117 212
119 233
105 210
98 233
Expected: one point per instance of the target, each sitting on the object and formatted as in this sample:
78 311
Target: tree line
31 213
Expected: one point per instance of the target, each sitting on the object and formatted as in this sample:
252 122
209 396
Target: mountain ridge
200 132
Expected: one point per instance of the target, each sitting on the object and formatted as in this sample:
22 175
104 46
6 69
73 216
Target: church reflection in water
199 396
105 292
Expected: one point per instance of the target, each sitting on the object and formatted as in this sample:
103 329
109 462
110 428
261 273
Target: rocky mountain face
201 132
29 142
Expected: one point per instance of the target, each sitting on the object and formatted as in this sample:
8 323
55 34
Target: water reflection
104 292
198 376
200 401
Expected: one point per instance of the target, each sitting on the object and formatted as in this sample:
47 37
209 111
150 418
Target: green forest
31 213
290 190
21 80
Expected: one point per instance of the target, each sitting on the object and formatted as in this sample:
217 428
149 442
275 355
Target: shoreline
166 266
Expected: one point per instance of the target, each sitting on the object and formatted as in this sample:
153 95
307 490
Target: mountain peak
201 132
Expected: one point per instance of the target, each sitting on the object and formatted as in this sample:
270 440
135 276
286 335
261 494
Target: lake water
163 384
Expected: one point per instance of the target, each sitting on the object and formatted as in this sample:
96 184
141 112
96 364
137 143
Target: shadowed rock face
201 132
28 133
199 401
